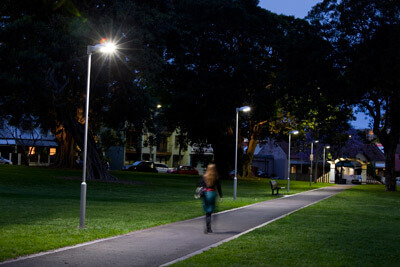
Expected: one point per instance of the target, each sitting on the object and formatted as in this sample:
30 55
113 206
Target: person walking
212 183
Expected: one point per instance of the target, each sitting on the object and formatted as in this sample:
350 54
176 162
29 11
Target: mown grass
358 227
39 207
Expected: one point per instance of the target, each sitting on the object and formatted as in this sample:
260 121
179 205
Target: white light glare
244 109
108 48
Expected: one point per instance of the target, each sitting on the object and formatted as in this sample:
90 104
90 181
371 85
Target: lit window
292 169
32 150
53 151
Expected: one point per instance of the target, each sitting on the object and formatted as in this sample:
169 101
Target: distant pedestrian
212 183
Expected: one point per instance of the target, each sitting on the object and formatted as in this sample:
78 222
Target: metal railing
372 180
324 178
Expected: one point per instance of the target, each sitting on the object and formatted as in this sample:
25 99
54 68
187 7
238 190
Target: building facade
164 149
27 144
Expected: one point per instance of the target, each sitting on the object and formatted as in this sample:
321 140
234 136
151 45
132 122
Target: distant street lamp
312 158
106 48
244 109
323 160
288 176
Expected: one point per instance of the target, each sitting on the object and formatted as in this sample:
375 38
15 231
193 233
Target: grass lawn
39 207
358 227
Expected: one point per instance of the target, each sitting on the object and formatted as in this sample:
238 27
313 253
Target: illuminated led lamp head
104 46
107 47
244 109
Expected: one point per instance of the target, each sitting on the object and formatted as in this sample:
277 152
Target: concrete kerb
162 226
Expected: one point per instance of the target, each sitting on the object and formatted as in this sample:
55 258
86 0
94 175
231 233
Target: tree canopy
43 66
200 59
364 35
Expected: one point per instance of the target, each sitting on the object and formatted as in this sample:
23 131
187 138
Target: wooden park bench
274 186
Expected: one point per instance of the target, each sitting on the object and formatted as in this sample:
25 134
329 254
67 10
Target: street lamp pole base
83 205
234 187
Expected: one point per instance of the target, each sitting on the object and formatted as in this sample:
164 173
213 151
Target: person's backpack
200 189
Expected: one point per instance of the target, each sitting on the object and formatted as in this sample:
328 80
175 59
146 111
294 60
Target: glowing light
107 47
53 151
244 109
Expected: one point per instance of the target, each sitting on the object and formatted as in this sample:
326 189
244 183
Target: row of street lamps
246 109
311 158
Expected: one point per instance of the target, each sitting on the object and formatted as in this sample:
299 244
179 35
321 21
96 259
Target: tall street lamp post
107 48
323 160
288 175
244 109
312 158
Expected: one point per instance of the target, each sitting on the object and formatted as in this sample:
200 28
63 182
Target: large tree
43 66
365 35
222 56
306 86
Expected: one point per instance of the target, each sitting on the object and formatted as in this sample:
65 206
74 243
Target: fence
324 178
372 180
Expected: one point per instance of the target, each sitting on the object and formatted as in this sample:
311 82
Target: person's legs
209 205
208 222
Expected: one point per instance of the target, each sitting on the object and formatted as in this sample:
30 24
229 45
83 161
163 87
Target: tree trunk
73 126
66 151
250 155
390 179
95 167
253 142
389 142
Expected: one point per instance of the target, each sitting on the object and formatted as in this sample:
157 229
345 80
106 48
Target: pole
236 149
316 163
83 185
311 160
323 164
288 175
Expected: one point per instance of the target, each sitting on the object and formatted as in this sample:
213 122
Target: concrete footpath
167 244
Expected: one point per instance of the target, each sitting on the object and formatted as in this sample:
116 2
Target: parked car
5 161
184 170
141 166
162 168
